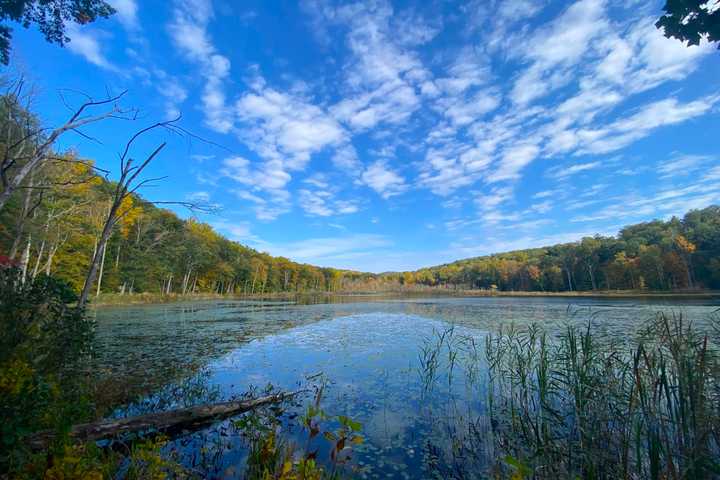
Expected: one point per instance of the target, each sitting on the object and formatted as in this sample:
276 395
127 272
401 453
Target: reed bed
583 404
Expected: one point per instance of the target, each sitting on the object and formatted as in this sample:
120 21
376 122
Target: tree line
678 254
57 231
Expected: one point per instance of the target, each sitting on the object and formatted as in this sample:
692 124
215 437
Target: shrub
42 341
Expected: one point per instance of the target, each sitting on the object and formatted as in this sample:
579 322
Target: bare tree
30 145
127 185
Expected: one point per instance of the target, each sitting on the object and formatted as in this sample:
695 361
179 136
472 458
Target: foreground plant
272 456
42 341
586 406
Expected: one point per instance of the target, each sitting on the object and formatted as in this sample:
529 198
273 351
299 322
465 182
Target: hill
678 254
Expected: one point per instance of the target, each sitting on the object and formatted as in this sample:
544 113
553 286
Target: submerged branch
169 423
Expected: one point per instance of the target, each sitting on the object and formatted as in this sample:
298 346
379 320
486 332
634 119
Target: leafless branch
192 206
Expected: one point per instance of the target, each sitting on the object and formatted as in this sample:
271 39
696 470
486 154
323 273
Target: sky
382 135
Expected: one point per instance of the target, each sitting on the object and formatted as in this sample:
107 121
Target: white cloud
337 252
201 197
469 69
562 172
346 159
463 111
323 203
188 30
667 202
712 175
383 180
682 165
558 46
126 13
657 59
85 42
286 128
627 130
514 159
383 73
175 94
542 207
268 179
489 245
239 231
448 168
496 197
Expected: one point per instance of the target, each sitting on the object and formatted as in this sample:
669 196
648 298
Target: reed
582 405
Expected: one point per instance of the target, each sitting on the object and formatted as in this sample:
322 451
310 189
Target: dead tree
127 184
34 145
168 423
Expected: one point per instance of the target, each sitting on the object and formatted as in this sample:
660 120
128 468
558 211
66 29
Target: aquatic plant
581 404
271 455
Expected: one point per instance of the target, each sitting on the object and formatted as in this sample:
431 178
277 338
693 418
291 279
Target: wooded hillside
55 230
678 254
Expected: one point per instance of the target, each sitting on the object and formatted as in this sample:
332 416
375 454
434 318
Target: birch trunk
37 261
25 259
102 269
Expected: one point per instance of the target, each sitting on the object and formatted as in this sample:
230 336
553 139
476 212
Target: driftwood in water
168 423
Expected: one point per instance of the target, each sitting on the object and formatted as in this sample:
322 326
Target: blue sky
394 135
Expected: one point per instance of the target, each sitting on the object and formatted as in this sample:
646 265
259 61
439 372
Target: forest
55 231
678 254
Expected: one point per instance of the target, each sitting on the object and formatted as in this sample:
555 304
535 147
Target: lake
372 353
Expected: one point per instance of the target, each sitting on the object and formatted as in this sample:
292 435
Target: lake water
371 352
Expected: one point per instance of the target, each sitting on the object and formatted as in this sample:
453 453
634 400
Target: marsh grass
584 404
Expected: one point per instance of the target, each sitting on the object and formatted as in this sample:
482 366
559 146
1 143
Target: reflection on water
370 350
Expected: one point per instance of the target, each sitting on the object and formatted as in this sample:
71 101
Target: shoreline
111 300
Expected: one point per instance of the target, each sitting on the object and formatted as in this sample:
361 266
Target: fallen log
169 423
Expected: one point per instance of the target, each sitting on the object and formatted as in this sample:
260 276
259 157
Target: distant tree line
679 254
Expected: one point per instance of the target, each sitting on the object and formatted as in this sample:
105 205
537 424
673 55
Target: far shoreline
112 300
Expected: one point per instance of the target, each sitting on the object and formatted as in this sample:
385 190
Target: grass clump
583 405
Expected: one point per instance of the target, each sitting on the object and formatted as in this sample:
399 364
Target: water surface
370 350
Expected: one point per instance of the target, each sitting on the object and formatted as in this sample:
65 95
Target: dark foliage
50 16
690 21
41 339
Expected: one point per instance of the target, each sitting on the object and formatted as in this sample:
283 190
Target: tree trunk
20 226
174 422
102 269
592 276
48 262
252 290
569 279
25 259
186 280
37 260
104 237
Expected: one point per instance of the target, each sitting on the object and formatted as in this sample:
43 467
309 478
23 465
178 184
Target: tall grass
581 405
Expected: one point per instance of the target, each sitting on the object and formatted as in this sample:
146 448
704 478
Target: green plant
42 341
584 406
272 456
